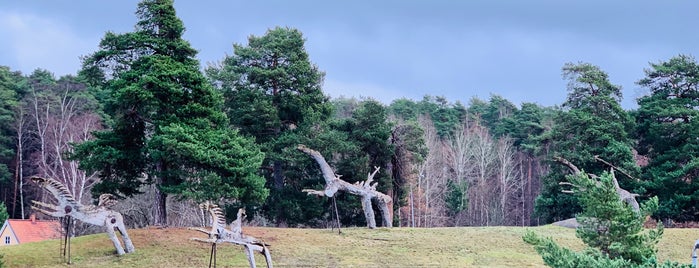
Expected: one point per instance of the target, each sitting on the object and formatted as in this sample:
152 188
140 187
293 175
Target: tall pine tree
273 93
592 123
11 85
669 135
168 126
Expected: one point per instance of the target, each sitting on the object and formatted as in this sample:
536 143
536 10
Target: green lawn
355 247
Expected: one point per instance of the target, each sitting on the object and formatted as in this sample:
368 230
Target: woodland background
144 121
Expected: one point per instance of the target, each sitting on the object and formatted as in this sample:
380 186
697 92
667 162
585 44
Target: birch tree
508 180
63 113
431 184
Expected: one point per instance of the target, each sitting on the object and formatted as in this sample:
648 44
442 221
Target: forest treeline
144 121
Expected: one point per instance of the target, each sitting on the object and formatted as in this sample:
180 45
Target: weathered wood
624 195
219 234
615 168
365 189
99 215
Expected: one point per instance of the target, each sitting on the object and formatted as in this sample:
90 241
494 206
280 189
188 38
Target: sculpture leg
268 257
386 208
125 236
251 256
213 255
113 237
368 212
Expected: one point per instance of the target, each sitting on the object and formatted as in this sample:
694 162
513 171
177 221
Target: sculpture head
107 200
241 213
39 180
205 205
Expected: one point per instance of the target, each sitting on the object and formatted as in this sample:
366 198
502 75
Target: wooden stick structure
65 245
624 195
96 215
337 216
219 234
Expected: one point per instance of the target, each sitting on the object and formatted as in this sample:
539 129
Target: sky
394 48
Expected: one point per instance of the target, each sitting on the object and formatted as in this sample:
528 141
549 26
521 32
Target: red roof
32 231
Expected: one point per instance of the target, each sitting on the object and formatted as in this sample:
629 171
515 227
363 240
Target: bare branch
313 192
570 165
615 167
624 195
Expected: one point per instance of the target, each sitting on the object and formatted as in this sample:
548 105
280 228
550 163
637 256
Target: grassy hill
355 247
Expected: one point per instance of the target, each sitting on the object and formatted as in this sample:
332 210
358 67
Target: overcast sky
391 49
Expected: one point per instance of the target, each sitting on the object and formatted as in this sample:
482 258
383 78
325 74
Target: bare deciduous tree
21 130
61 118
431 186
509 179
484 160
487 170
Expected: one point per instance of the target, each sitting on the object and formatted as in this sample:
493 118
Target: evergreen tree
11 83
446 116
669 136
273 93
494 114
592 124
410 148
610 228
168 123
530 128
404 109
370 132
3 212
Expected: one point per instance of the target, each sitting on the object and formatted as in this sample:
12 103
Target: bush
611 229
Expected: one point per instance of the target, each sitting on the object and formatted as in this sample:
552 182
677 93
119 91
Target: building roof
33 230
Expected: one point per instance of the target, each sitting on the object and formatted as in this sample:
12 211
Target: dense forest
144 121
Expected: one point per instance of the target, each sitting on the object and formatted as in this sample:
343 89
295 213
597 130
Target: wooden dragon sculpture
219 234
98 215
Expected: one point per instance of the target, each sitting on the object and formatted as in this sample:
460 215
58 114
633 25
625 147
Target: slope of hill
355 247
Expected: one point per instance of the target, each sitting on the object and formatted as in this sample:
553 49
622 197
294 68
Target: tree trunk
529 200
160 206
18 170
366 189
160 199
277 173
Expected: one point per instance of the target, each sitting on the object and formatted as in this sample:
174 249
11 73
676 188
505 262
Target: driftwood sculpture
624 195
366 189
98 215
219 234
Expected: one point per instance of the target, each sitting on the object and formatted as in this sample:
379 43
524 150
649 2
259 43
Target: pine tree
11 84
273 93
168 121
612 231
3 212
669 136
591 124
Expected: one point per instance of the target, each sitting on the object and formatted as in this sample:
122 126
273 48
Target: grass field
355 247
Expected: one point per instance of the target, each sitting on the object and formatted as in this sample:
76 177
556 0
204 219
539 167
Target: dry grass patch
355 247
